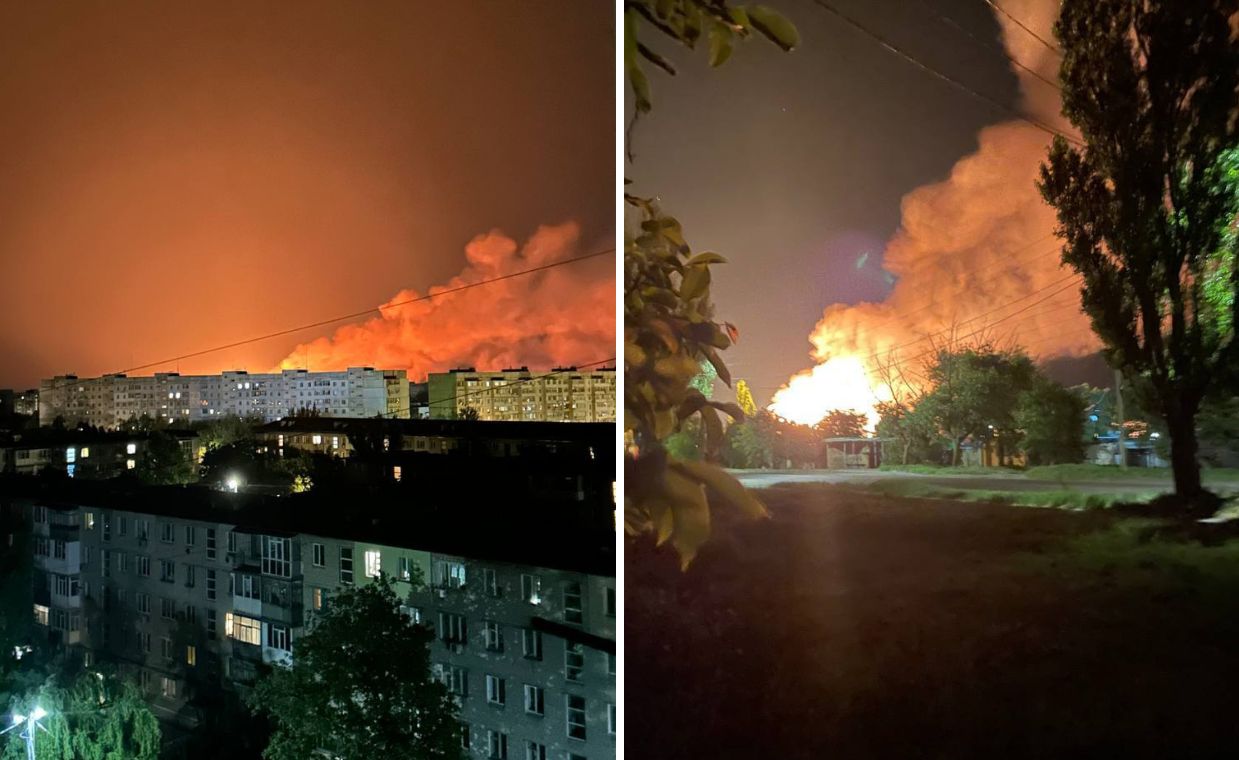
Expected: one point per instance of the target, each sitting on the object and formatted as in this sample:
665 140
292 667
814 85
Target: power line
1011 266
379 310
978 331
989 45
947 330
950 80
1021 25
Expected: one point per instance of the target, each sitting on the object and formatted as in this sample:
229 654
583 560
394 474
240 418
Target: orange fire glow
975 257
560 316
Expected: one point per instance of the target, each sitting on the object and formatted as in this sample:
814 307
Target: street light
31 722
233 482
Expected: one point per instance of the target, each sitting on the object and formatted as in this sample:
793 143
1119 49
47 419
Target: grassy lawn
1068 472
859 625
1064 499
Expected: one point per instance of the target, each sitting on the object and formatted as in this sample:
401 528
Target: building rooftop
559 534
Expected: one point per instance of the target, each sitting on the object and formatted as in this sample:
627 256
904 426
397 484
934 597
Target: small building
853 453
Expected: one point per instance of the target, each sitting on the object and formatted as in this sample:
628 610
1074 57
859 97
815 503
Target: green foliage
669 326
746 447
669 331
360 686
974 394
95 717
688 22
841 423
225 431
1051 421
703 381
164 462
1147 209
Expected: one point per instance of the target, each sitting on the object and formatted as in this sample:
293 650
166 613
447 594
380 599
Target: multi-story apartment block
341 437
19 402
109 401
561 395
185 594
86 454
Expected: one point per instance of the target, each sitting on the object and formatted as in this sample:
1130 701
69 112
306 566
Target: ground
858 625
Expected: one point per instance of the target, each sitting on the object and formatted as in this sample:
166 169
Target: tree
360 686
165 462
95 717
1051 423
746 447
669 325
841 423
1147 207
225 431
744 399
974 392
469 413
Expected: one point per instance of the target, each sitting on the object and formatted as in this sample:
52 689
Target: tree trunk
1182 429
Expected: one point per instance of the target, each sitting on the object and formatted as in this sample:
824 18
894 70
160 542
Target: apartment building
185 593
87 454
341 437
19 402
109 401
565 394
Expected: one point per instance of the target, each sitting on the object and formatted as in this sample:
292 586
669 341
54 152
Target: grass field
862 626
1064 499
1068 472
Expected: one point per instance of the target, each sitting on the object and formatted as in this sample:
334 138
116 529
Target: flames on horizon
975 256
561 316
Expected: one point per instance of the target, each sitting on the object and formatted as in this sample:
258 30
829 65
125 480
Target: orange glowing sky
177 176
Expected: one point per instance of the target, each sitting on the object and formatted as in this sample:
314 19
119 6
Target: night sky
793 165
174 176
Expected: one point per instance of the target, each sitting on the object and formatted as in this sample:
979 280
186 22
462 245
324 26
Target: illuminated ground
852 625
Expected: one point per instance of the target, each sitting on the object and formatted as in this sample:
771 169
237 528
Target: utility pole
1118 402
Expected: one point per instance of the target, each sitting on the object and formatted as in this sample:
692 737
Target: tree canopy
94 717
360 686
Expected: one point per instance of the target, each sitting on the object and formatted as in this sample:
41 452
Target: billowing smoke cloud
966 246
564 315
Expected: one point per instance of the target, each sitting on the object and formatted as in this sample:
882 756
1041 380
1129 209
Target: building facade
85 454
109 401
561 395
19 402
177 602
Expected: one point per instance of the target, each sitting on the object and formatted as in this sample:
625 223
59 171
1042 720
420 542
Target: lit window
396 472
316 439
531 588
167 687
70 454
85 452
191 655
374 563
40 614
130 464
335 441
242 628
131 448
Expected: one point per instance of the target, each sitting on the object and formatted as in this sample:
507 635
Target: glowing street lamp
31 722
233 483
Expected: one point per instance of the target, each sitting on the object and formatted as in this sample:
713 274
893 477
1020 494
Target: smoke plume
974 255
560 316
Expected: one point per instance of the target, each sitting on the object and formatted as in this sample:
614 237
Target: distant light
1155 435
18 719
233 483
38 714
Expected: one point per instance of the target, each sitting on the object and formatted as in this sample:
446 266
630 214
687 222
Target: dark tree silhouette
1147 208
